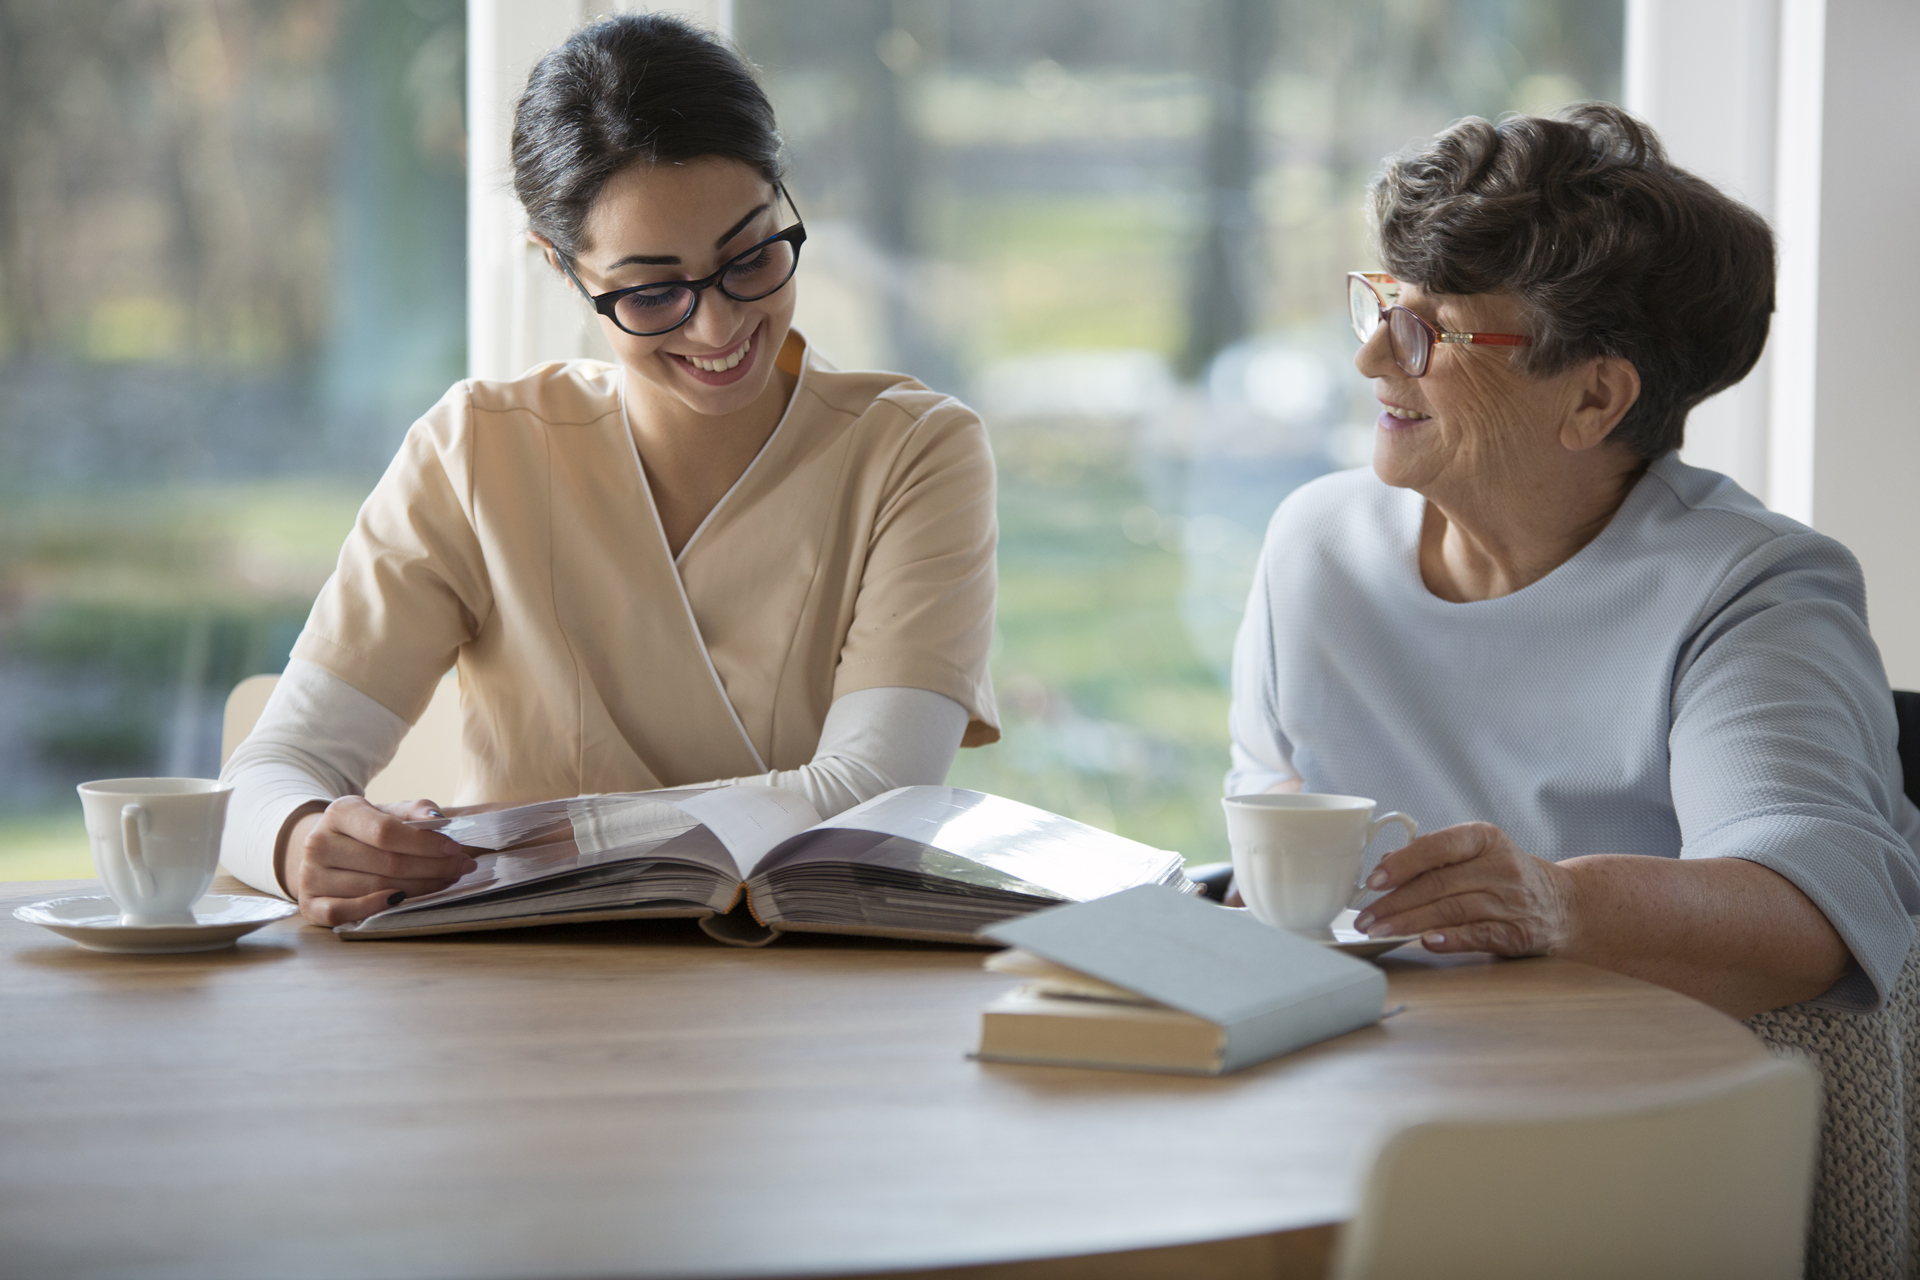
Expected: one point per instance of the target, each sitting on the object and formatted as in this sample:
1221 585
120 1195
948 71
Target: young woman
720 559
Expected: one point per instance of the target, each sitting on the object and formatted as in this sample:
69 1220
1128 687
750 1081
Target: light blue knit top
1697 682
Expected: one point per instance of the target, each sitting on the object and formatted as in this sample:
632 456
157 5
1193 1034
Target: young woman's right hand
353 858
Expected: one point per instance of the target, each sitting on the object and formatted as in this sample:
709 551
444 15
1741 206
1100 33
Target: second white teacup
156 843
1296 858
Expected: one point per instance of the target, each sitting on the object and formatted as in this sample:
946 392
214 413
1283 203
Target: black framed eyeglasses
649 310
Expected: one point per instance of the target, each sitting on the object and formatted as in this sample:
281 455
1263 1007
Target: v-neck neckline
678 558
675 562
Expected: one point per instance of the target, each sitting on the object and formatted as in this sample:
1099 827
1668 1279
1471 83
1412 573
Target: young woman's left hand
1470 888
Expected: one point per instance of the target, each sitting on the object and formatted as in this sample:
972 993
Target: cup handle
132 818
1373 828
1361 891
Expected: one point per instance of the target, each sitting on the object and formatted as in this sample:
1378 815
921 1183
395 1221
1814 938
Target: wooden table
636 1100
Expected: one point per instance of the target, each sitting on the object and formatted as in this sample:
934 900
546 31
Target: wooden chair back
1700 1183
427 765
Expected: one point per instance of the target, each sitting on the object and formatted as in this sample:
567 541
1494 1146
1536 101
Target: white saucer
1342 936
1355 943
94 923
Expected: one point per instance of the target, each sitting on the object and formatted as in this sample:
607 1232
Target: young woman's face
653 223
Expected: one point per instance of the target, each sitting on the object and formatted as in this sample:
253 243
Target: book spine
1345 1008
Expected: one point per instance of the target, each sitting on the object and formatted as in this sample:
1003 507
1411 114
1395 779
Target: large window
232 270
1118 228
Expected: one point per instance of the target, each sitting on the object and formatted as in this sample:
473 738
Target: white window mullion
519 313
1703 73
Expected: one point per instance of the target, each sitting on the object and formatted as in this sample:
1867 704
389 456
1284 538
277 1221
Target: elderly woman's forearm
1725 931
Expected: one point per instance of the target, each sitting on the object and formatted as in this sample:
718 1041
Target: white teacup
1296 858
156 843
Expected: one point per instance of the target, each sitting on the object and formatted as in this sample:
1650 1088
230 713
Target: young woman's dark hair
636 88
1614 249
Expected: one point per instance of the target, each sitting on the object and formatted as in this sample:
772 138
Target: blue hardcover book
1152 979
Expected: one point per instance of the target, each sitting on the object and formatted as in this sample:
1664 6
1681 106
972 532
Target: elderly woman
1639 715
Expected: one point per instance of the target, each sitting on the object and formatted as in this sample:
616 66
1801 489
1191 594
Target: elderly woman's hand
1470 888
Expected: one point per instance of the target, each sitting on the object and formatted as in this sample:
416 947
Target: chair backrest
1708 1181
1906 711
427 765
1866 1195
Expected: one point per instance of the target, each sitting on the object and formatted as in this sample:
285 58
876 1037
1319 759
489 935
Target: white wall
519 312
1717 120
1804 110
1861 361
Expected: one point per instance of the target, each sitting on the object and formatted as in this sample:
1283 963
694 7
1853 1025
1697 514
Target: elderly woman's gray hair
1613 250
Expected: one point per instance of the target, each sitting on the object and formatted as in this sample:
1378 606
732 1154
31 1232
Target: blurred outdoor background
232 247
232 270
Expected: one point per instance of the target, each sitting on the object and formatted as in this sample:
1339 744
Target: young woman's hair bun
637 88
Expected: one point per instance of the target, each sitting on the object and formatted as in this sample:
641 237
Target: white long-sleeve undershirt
320 738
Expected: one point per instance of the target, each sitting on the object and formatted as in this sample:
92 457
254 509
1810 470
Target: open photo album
752 862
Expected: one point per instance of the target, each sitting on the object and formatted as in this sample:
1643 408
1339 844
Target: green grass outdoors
1068 273
1108 714
106 587
51 845
174 546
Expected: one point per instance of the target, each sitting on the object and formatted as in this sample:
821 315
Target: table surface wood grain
635 1100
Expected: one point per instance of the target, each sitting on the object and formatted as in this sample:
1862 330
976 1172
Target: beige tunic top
515 534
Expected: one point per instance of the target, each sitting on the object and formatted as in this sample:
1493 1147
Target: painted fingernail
1378 880
397 897
434 813
1363 921
1435 940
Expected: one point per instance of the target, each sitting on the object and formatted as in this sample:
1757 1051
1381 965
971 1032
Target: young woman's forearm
319 738
873 741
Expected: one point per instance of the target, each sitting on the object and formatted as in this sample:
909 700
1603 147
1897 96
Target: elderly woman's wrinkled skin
1518 476
1516 471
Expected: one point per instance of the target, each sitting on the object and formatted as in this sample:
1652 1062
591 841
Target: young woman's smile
723 368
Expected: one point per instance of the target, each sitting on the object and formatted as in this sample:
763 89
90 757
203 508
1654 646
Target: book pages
987 841
876 869
504 828
1045 978
749 820
606 827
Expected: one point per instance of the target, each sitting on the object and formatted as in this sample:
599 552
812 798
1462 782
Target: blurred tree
397 335
232 232
163 177
1223 291
232 247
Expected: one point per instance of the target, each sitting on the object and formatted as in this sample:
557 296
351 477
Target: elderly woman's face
1472 419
